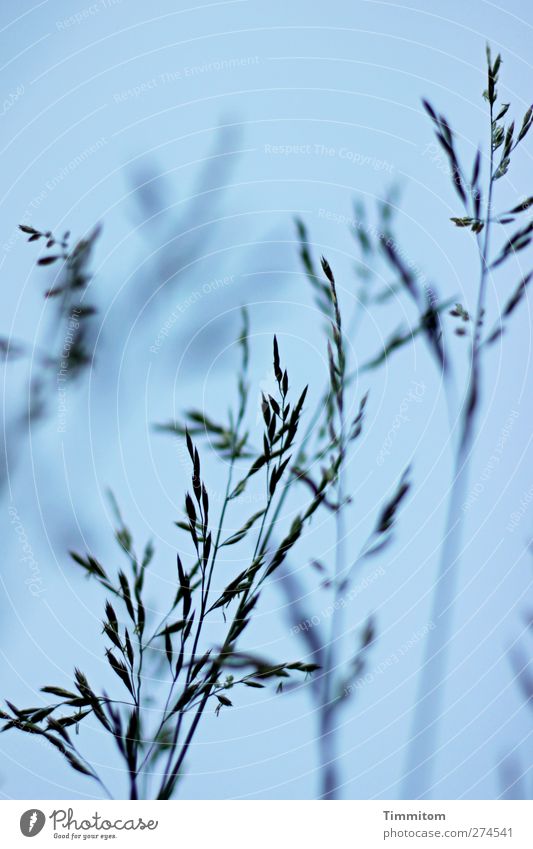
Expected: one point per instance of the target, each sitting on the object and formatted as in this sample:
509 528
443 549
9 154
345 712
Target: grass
477 195
298 451
196 675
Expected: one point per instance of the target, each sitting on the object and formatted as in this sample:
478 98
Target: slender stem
179 720
134 793
208 686
165 717
418 781
201 707
217 665
328 731
205 597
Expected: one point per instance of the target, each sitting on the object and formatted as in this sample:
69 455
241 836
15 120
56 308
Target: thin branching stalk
333 686
420 772
193 679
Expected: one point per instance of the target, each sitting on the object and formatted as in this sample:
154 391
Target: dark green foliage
65 356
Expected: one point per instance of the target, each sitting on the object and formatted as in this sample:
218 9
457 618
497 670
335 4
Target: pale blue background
347 75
